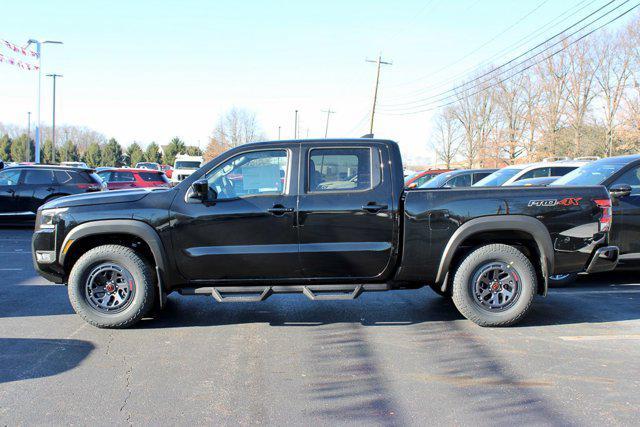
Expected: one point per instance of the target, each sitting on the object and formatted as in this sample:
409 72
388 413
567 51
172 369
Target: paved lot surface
400 358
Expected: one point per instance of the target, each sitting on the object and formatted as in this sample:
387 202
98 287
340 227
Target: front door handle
373 207
11 191
278 210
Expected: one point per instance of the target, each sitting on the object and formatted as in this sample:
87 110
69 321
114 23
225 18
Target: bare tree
511 115
236 127
531 93
447 137
615 52
474 111
552 75
582 68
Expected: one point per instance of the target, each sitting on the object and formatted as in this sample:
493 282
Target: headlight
49 217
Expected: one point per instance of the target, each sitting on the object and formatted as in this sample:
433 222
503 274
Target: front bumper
603 259
45 259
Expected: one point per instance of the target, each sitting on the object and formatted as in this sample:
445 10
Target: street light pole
28 136
53 122
39 44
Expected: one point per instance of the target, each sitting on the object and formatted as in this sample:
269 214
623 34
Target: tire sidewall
79 274
462 289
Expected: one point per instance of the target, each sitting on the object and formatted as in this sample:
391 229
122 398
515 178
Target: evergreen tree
45 153
92 156
69 152
175 147
194 151
153 153
5 147
135 153
19 148
112 153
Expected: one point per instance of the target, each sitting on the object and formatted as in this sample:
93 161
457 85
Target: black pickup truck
326 218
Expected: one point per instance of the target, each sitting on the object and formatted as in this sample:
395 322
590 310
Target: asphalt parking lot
398 358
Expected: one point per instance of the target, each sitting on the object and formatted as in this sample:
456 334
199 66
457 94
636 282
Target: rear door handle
278 210
373 207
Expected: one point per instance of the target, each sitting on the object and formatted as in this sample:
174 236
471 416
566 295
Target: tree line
583 101
94 153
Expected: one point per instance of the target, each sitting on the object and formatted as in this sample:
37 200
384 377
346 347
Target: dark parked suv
23 189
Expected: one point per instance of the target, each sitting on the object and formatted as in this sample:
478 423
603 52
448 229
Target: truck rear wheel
111 286
494 285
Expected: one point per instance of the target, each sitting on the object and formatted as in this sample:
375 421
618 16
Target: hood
101 198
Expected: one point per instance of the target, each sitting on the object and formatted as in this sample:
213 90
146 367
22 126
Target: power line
542 3
471 84
524 69
509 48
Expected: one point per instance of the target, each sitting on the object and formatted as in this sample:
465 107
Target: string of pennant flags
22 64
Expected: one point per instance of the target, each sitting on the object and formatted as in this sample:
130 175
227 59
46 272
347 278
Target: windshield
590 174
437 181
498 178
183 164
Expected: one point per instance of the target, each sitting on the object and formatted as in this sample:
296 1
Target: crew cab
327 218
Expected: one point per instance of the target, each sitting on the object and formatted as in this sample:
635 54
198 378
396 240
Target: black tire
562 279
438 290
474 272
135 271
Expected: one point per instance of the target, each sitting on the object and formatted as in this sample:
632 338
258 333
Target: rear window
36 177
152 177
181 164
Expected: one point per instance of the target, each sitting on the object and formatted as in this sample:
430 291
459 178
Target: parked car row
24 188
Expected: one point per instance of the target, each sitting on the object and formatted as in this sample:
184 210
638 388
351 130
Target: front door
247 229
9 179
346 224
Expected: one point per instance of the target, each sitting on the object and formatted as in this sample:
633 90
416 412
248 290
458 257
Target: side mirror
200 190
620 190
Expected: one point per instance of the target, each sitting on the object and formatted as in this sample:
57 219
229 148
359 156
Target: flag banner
18 63
18 49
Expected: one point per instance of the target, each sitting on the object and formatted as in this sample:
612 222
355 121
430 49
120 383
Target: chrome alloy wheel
495 286
109 288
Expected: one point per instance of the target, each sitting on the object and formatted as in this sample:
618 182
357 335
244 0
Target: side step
261 293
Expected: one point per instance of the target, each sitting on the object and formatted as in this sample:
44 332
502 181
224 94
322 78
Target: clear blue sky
147 71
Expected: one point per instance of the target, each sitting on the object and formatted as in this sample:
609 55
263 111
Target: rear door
36 185
477 176
346 226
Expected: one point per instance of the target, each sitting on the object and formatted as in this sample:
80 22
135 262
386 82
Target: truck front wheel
494 285
111 286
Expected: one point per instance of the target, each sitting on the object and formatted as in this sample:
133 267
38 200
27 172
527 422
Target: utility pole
279 128
378 62
39 44
295 126
53 122
28 136
326 126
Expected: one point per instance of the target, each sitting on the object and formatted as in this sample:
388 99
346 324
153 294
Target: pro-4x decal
567 201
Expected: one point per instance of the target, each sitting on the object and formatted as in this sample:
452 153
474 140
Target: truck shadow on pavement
34 300
28 358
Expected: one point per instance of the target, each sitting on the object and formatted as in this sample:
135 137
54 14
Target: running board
261 293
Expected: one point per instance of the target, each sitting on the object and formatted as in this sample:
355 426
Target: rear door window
342 169
120 176
480 175
535 173
37 177
152 177
460 181
561 170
